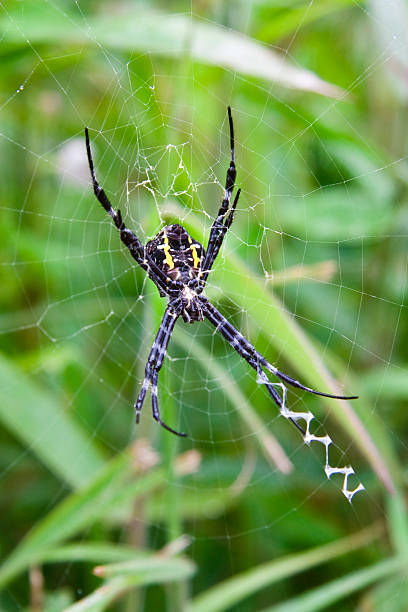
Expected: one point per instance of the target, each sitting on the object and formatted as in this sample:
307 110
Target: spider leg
273 392
132 242
217 245
219 228
256 361
155 362
155 407
298 385
250 354
128 238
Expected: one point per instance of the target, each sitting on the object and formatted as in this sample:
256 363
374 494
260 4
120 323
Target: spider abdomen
176 253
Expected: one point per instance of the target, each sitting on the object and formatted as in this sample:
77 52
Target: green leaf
114 485
390 22
164 34
294 18
337 214
37 419
390 595
361 206
154 569
232 591
388 382
398 523
92 552
125 576
271 448
105 595
328 594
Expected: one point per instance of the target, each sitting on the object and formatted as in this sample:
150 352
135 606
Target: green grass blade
386 383
105 595
125 576
92 552
198 505
71 515
269 445
113 487
230 592
322 597
285 22
158 568
398 523
322 271
163 34
38 420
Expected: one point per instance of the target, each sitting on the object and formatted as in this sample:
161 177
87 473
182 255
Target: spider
179 267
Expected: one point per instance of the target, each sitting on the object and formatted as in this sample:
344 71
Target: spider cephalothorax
179 267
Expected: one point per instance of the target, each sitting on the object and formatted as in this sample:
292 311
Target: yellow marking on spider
166 249
196 259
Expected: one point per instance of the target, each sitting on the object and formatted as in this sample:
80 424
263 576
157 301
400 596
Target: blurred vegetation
239 516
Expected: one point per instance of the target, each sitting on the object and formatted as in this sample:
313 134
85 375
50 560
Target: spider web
313 271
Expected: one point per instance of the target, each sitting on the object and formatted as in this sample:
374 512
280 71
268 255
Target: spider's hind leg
155 407
154 364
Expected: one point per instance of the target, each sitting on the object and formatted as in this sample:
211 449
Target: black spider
179 266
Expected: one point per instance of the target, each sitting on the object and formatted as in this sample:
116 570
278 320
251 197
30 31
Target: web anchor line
309 437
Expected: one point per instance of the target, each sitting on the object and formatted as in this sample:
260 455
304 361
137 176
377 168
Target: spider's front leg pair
221 224
136 248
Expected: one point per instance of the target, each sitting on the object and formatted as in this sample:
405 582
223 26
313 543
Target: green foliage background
240 515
